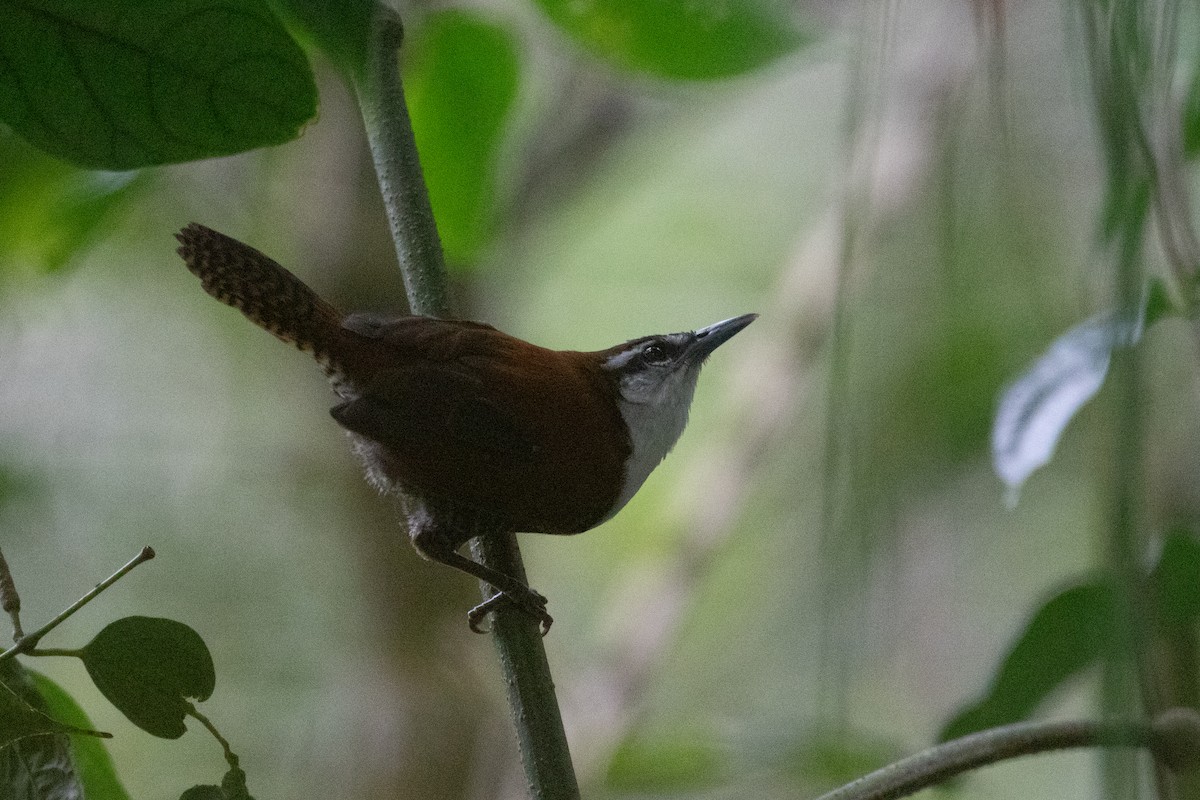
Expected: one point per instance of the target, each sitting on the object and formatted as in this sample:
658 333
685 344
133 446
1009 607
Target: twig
10 601
535 711
230 757
27 643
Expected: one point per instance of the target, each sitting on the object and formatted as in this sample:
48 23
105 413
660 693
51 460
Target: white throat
654 427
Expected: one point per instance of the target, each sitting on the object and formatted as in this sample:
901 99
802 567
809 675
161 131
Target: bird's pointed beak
715 335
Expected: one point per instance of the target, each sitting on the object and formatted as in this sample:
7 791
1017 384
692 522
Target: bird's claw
533 604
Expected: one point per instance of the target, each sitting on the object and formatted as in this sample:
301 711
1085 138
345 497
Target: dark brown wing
427 410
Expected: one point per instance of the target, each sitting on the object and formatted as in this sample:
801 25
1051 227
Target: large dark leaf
19 719
119 84
341 30
1176 579
39 768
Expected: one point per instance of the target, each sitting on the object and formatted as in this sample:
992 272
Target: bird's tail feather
269 295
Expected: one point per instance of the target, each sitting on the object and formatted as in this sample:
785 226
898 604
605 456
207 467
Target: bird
478 432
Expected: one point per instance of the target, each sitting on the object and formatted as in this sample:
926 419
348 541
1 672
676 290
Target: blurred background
819 576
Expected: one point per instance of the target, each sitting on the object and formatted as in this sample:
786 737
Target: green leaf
1158 304
699 39
120 84
92 762
19 719
676 762
38 768
50 211
461 80
1191 119
36 763
1067 634
233 787
147 667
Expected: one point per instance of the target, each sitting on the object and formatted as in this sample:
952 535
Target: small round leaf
148 668
233 787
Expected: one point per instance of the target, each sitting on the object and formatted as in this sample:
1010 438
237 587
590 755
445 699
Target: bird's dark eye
655 354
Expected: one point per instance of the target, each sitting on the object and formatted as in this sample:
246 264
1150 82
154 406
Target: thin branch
27 643
1174 739
535 710
10 601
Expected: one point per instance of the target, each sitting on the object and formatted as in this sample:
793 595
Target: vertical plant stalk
534 706
398 167
1131 53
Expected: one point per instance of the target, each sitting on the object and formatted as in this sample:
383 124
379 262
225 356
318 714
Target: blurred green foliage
461 81
665 764
51 212
696 40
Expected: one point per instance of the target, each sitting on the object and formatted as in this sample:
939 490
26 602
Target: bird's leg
436 543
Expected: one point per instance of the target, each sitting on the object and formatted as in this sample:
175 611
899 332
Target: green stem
534 707
230 757
398 167
44 652
540 733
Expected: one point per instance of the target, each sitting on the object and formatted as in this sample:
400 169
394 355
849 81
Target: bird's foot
533 604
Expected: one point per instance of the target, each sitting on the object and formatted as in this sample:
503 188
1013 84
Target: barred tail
269 295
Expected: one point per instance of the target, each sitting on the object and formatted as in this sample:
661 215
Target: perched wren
479 431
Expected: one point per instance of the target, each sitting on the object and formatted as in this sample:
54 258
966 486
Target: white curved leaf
1036 408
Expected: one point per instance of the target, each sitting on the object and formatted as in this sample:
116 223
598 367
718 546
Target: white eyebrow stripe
618 361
